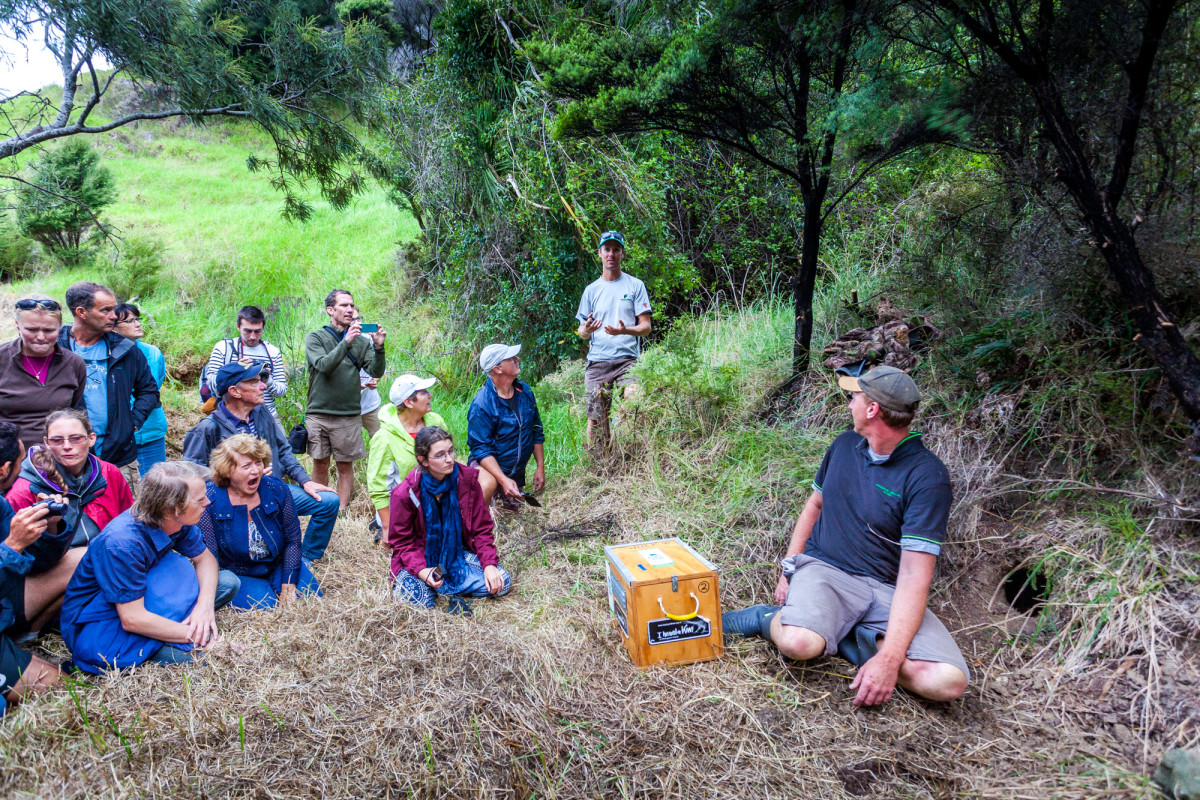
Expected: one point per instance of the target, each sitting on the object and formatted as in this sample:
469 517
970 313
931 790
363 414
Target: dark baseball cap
237 371
611 236
888 386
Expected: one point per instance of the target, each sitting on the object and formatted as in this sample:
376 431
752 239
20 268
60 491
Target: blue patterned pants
414 591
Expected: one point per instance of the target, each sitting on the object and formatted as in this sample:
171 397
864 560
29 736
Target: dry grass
353 696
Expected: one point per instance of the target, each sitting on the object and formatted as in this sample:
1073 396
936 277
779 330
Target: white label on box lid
655 557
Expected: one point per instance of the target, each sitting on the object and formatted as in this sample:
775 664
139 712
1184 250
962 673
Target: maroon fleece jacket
406 531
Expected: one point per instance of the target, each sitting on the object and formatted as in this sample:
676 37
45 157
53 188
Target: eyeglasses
29 304
448 453
59 441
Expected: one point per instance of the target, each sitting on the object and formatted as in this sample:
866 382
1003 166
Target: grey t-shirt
613 301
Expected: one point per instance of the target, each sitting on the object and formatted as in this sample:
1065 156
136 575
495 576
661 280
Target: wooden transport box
666 601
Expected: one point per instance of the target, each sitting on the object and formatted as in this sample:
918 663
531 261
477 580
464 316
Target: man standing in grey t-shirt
613 314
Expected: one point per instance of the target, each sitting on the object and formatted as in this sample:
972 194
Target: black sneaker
752 621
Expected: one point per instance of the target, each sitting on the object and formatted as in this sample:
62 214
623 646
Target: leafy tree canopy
1098 97
266 62
819 92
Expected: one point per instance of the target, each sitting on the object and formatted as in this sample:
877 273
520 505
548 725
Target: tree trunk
1157 332
805 283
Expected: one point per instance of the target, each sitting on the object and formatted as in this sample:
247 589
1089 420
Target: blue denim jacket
494 430
227 533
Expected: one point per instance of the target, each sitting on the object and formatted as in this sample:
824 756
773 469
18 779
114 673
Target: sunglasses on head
29 304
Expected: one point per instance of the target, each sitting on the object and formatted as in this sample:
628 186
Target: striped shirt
230 350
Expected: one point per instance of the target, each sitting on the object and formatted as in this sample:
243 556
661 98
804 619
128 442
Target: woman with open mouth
252 528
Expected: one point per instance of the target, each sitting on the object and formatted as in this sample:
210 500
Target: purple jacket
25 403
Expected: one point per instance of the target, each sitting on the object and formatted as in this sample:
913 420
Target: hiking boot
859 645
459 606
376 528
752 621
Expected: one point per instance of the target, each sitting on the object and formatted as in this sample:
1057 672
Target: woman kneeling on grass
252 528
135 597
95 490
441 532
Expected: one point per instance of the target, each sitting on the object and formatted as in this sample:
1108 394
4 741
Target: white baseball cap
493 354
406 386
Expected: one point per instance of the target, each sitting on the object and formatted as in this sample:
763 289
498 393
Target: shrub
136 268
676 375
16 254
68 191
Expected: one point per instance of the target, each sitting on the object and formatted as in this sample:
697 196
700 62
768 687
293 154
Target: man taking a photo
335 354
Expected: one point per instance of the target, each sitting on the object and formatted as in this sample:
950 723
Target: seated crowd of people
129 555
134 574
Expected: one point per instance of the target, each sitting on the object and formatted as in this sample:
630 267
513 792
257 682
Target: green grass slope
226 245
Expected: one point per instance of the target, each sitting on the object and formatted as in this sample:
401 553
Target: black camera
55 508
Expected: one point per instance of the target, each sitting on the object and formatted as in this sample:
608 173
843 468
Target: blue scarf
443 525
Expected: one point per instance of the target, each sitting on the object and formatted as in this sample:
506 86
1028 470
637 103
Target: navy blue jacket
494 430
129 376
227 534
13 568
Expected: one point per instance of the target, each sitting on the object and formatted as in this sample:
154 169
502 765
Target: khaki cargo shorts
830 602
340 437
599 380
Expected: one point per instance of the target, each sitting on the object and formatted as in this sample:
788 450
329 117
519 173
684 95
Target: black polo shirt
871 511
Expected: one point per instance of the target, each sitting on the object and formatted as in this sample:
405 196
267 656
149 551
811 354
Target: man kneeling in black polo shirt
856 575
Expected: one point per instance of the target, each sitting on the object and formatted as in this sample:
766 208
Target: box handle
681 617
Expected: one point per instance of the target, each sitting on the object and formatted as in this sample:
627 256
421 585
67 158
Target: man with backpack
249 343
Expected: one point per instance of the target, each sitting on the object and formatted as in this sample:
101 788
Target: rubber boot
859 646
752 621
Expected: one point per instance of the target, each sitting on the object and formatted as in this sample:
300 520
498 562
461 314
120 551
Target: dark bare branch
15 144
1138 71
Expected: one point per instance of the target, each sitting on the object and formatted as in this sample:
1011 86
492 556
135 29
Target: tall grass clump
136 268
